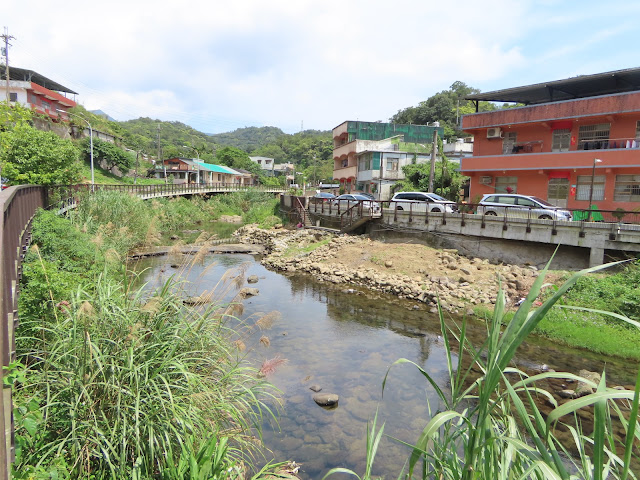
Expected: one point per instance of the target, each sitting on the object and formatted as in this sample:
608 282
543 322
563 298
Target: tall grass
122 382
119 382
491 427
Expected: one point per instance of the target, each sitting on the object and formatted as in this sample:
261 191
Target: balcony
345 172
611 158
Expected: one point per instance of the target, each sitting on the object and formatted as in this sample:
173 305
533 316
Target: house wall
535 163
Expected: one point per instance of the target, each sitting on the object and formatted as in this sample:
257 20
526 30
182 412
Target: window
583 187
593 137
627 188
560 140
507 184
344 163
392 164
525 202
638 130
13 97
509 142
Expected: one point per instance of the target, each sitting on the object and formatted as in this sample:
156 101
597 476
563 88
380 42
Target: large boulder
326 399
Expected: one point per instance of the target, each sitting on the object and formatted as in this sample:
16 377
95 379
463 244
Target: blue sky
220 65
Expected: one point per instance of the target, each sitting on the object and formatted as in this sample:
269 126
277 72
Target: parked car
347 200
422 202
523 206
368 195
325 196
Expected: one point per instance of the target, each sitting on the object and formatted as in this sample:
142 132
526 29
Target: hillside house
380 145
573 141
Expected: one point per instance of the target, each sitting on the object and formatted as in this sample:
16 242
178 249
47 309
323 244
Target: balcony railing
609 144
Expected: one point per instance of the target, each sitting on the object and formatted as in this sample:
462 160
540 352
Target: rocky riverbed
407 270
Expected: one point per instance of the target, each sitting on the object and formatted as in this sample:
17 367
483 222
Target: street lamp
593 175
90 140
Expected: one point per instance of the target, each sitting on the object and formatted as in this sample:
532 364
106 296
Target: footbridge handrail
18 204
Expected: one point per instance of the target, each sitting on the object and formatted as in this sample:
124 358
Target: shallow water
345 343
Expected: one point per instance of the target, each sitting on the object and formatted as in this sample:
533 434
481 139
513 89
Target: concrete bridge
517 234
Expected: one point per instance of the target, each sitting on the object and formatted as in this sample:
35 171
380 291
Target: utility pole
160 157
434 152
6 37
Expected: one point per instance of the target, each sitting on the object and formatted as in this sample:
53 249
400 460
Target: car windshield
543 202
361 197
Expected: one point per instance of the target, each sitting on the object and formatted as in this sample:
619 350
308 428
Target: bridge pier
596 255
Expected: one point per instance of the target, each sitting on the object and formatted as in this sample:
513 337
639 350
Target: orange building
574 141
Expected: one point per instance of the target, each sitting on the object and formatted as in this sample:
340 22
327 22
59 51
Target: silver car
348 200
521 206
422 202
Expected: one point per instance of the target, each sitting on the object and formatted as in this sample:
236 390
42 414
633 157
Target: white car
521 206
348 200
422 202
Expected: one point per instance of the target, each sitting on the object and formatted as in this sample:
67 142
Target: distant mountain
249 138
102 114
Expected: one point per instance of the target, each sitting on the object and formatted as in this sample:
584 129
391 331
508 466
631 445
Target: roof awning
582 86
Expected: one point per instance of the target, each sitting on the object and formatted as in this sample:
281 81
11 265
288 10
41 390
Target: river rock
567 393
583 388
252 279
315 388
248 292
388 263
326 399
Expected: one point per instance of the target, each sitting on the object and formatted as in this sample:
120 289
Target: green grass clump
618 292
294 250
122 381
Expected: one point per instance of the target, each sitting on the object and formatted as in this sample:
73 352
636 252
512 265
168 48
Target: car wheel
491 214
544 217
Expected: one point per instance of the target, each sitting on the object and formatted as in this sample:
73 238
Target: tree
109 153
445 107
447 179
235 158
31 156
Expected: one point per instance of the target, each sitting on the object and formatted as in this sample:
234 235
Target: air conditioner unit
486 180
495 132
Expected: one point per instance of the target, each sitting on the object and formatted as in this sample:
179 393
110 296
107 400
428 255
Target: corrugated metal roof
618 81
215 168
24 75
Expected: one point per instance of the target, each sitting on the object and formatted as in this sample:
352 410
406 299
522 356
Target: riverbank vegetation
489 425
583 317
117 382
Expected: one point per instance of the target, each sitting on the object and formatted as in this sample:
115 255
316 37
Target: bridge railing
61 195
422 211
18 205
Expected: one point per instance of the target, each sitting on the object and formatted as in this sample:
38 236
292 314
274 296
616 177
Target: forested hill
248 138
176 138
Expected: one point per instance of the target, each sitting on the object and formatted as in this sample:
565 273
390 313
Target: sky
297 64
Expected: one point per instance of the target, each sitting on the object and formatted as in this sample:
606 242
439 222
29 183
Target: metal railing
62 196
18 204
422 211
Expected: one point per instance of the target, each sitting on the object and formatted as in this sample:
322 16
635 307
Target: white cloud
220 65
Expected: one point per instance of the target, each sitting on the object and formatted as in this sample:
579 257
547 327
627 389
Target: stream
345 344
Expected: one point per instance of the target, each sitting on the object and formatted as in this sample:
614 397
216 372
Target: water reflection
345 343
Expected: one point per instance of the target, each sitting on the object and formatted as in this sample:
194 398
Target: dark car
325 196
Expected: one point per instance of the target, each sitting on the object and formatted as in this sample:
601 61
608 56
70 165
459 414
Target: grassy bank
577 319
115 382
